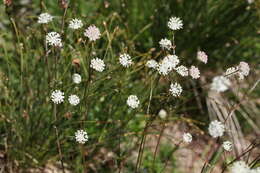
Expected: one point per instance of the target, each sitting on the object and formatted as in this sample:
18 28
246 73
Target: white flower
227 145
220 84
187 137
216 129
75 24
133 101
165 44
168 64
57 96
194 72
152 64
76 78
250 1
182 70
53 39
175 23
74 100
175 89
231 71
244 69
125 60
81 136
92 32
97 64
240 167
44 18
202 56
162 114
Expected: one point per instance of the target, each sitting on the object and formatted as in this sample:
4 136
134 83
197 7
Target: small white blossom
231 71
74 100
76 78
175 23
168 64
165 44
75 24
182 70
44 18
57 96
202 56
240 167
194 72
244 69
162 114
92 32
81 136
53 39
97 64
133 101
227 145
152 64
187 137
175 89
216 129
125 60
220 84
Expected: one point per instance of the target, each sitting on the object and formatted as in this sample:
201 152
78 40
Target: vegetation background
122 139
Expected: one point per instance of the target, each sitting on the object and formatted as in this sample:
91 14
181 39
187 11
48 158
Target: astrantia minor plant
103 95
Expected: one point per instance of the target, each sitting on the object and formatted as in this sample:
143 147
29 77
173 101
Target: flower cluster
125 60
53 39
220 84
44 18
76 78
97 64
187 137
133 101
242 70
242 167
175 89
216 129
74 100
168 64
202 56
57 97
175 23
165 44
75 24
152 64
93 33
81 136
227 145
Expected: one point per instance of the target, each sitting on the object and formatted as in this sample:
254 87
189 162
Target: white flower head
152 64
231 71
187 137
202 56
162 113
227 145
194 72
175 89
53 39
76 78
57 96
97 64
81 136
75 24
220 84
168 64
216 129
74 100
175 23
44 18
165 44
182 70
92 32
133 101
240 167
125 60
244 69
